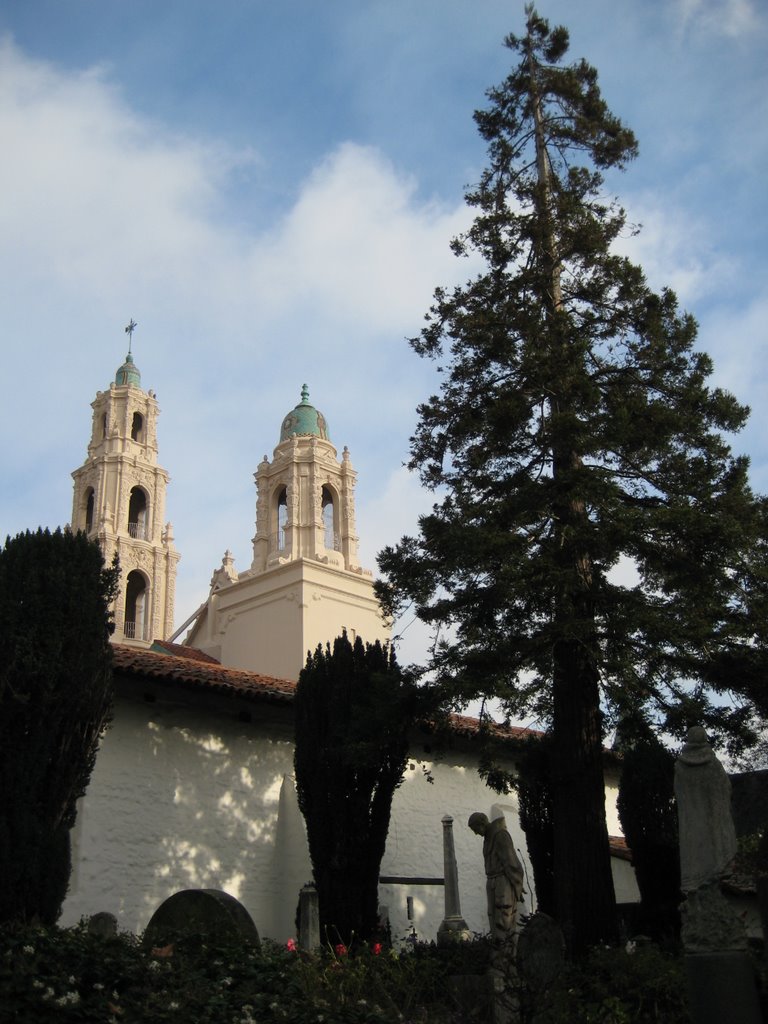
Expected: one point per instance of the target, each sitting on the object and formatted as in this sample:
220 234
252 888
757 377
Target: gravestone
540 960
309 919
207 913
103 925
540 952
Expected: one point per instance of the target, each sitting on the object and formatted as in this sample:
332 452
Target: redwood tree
55 699
353 712
574 427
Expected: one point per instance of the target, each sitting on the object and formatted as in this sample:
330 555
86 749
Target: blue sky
269 190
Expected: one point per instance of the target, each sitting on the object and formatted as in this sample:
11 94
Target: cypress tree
574 429
353 712
55 700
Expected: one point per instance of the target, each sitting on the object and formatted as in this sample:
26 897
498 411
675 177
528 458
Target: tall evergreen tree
353 712
574 427
55 699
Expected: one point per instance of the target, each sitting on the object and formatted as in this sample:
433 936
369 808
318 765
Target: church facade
193 783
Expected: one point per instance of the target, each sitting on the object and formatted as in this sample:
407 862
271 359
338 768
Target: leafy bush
50 974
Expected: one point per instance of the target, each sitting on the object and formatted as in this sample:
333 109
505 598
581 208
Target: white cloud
732 18
356 246
114 216
673 249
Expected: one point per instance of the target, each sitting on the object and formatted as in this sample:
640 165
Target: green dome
128 373
304 420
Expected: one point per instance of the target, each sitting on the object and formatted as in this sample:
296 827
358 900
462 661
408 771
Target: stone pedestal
721 987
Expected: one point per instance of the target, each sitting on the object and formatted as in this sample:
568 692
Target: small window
137 427
104 426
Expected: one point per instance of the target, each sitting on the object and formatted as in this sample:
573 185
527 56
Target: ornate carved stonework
116 463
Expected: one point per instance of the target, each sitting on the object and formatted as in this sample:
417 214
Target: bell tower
306 499
119 500
304 585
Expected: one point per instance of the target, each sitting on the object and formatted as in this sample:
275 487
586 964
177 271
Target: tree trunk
584 894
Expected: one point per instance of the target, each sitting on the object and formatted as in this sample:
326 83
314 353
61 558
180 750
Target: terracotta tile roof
470 727
200 673
166 647
197 670
619 848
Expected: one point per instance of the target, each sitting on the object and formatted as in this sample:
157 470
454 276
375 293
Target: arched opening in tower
282 519
137 427
134 626
137 514
332 539
89 510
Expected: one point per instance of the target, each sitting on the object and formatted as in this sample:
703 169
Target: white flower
29 950
98 987
226 981
630 947
48 993
68 999
173 1006
71 979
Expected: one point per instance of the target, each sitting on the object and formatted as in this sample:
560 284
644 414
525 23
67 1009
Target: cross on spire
132 325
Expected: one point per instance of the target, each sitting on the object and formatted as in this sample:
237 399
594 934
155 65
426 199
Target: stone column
454 927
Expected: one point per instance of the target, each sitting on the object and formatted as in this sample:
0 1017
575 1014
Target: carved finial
304 393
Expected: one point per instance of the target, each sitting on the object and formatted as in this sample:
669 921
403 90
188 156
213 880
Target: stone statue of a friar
504 874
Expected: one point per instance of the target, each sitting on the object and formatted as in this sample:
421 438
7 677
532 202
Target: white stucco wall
187 796
184 798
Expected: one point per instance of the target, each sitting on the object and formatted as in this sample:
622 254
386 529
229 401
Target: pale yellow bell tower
304 585
119 500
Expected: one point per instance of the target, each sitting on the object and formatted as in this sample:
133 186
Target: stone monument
503 872
453 927
503 887
721 982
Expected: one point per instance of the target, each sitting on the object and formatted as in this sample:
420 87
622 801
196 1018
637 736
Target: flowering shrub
67 975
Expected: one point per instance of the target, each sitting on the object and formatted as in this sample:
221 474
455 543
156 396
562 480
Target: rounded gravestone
208 913
540 952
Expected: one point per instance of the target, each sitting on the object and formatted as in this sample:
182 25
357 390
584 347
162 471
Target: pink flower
341 949
376 947
291 945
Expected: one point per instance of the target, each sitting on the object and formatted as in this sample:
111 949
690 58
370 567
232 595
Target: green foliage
67 975
534 794
575 430
353 709
55 699
636 986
